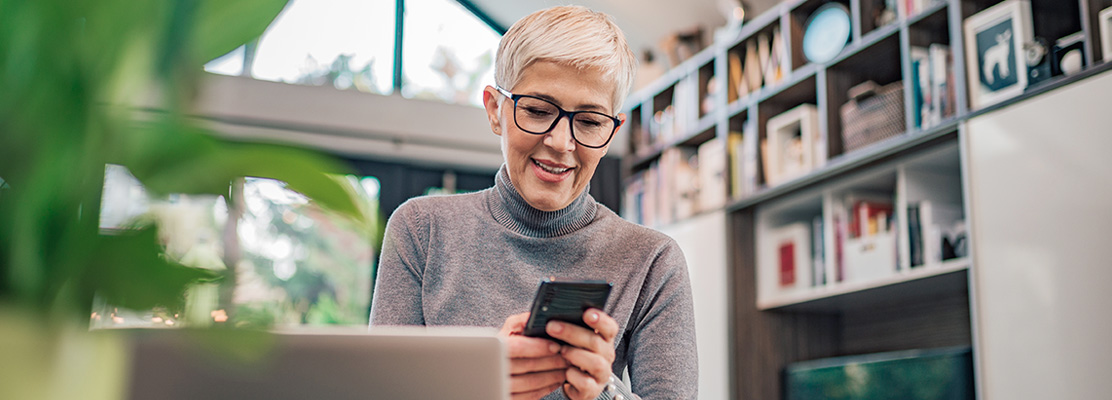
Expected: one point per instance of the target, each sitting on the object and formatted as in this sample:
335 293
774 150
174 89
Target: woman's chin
547 201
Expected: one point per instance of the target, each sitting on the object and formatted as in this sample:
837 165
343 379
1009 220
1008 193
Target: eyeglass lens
539 116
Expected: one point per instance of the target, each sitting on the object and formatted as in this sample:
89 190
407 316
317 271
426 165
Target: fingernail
555 327
554 348
594 316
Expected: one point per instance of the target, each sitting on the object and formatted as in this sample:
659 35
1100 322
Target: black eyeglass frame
569 114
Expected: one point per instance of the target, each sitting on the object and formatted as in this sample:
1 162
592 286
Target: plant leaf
129 271
223 25
182 159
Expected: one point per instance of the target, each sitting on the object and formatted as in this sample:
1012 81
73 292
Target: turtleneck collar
512 211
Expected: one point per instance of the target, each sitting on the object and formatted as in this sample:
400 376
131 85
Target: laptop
388 363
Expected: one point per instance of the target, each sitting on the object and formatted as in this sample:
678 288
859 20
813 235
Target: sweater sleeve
661 351
401 266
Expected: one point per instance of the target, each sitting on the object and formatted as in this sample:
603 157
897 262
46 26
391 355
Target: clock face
827 33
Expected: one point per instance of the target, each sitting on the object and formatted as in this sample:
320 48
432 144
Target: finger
515 324
582 386
579 337
535 394
597 366
601 323
536 381
526 365
529 347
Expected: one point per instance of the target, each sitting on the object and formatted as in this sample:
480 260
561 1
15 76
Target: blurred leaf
129 271
183 159
223 25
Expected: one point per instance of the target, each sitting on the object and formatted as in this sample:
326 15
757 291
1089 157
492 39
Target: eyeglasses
539 116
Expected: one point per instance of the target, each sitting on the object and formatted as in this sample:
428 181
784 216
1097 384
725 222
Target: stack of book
932 85
865 242
682 183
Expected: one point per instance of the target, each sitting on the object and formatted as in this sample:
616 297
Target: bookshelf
894 275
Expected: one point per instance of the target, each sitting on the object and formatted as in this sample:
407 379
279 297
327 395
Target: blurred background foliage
84 84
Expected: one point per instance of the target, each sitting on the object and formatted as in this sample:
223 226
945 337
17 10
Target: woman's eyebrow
581 107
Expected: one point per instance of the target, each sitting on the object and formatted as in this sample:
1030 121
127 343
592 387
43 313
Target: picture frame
995 62
792 139
1104 19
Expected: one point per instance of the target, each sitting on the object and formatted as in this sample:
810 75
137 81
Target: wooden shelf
947 277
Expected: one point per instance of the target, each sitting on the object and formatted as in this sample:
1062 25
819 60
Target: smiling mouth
549 169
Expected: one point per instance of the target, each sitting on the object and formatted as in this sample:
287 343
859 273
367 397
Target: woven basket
872 114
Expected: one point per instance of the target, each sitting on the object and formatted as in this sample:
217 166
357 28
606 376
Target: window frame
397 80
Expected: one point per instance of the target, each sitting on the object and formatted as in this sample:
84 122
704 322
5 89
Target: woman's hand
536 365
591 353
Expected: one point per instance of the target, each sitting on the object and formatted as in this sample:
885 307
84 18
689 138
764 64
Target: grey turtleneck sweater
475 259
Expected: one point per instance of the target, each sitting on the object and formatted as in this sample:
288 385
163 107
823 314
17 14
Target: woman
476 259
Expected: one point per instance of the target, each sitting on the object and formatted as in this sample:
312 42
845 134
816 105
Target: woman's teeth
551 169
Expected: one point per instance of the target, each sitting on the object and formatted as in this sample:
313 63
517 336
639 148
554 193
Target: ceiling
645 22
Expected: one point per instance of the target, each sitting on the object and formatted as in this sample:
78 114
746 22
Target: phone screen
564 301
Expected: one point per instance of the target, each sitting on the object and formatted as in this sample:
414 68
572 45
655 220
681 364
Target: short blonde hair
571 35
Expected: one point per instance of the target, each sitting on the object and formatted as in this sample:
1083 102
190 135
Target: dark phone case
564 301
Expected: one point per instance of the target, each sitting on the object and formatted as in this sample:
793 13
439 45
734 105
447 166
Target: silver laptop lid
387 363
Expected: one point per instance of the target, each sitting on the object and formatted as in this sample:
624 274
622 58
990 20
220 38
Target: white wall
350 122
703 240
1041 192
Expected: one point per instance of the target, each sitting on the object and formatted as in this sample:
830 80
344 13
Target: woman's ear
492 101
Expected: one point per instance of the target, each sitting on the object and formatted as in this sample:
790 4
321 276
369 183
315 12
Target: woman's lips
550 172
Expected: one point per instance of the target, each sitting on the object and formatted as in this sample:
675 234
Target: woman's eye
539 112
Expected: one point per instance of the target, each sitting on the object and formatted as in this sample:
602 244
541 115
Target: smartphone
564 301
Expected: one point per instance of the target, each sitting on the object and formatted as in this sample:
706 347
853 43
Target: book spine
914 235
787 263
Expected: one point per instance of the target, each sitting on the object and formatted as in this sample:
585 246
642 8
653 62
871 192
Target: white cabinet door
703 241
1041 196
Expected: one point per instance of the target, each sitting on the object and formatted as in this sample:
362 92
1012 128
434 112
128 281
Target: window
343 43
297 265
448 54
350 44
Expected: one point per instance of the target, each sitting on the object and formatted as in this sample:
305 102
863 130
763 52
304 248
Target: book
840 231
786 252
920 83
791 244
752 67
914 235
632 198
818 255
868 213
712 172
766 165
735 145
932 217
941 77
736 79
869 245
940 89
679 184
774 73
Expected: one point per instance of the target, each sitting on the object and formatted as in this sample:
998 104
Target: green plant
78 81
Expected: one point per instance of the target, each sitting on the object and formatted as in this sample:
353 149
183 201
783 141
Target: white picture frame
792 139
995 63
1104 20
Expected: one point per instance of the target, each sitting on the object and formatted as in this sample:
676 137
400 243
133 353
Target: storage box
873 113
